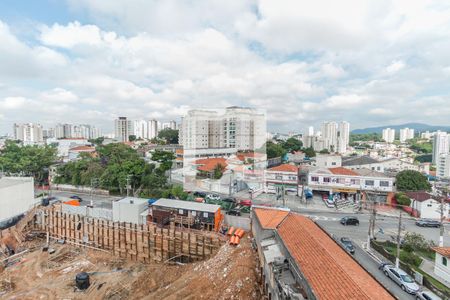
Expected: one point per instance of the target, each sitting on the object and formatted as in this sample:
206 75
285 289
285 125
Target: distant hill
418 127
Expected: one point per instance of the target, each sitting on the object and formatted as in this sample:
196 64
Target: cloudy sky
89 61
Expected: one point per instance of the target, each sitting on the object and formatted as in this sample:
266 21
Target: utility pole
94 184
444 198
397 259
128 184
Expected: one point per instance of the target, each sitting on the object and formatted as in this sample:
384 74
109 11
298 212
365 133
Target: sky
371 63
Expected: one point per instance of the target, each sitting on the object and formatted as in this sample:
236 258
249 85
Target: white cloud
395 66
71 35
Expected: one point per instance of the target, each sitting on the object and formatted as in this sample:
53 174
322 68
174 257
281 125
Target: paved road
103 201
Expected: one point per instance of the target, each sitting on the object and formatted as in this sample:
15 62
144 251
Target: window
444 261
326 179
370 182
429 205
180 211
384 183
205 215
193 213
315 178
354 181
333 163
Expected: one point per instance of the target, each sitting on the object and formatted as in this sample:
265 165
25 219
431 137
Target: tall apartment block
123 128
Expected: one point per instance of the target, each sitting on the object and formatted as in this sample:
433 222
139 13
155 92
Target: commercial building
441 145
123 128
16 198
387 165
406 134
388 135
281 179
298 260
28 133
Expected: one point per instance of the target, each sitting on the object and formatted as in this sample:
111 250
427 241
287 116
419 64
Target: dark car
348 245
349 221
428 223
234 212
76 198
230 200
200 194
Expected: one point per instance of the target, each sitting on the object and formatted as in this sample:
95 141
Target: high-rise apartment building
235 127
28 133
123 128
389 135
343 138
335 136
443 166
141 129
440 145
152 129
406 134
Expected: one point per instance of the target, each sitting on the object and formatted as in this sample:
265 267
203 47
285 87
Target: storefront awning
344 191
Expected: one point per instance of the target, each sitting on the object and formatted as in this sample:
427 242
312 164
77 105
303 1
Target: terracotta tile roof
243 155
444 251
208 164
270 218
285 168
329 270
343 171
179 151
419 195
83 148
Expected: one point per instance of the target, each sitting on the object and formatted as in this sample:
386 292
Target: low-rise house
186 213
442 263
428 206
74 153
298 260
281 177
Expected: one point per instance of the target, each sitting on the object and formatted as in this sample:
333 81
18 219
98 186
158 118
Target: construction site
52 255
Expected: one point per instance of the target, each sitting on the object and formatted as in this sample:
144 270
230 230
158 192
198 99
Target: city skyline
89 62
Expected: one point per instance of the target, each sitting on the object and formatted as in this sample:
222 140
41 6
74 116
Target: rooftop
370 173
83 148
209 164
188 205
444 251
358 160
285 168
329 270
270 218
133 200
342 171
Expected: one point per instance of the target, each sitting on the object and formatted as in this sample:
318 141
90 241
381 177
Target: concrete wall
16 196
236 221
95 212
78 188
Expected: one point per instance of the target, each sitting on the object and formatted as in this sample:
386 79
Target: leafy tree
402 199
169 135
29 160
98 141
309 152
274 150
410 180
416 242
292 144
324 151
218 171
132 138
365 137
164 157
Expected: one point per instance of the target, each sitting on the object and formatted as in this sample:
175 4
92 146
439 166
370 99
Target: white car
213 197
400 277
427 295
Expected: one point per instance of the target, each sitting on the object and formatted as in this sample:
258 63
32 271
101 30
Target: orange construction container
73 202
230 231
232 240
236 240
240 233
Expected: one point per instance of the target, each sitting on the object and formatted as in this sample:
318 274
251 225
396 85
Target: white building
16 198
152 129
335 137
123 128
282 177
427 205
327 161
129 210
343 138
329 135
389 135
440 145
443 166
406 134
141 129
29 133
234 127
442 264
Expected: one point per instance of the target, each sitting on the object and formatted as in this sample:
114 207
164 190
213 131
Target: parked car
427 295
400 277
230 200
200 194
348 245
234 212
428 223
349 221
246 202
214 197
383 263
76 198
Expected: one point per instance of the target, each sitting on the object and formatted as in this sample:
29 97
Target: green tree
169 135
218 171
274 150
292 144
98 141
132 138
309 152
165 158
324 151
402 199
29 160
409 180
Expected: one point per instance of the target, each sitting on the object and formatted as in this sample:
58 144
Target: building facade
406 134
123 128
441 145
388 135
29 133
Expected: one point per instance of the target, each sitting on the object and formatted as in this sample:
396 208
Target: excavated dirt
230 274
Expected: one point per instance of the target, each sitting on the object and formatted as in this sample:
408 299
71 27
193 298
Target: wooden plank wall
144 243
